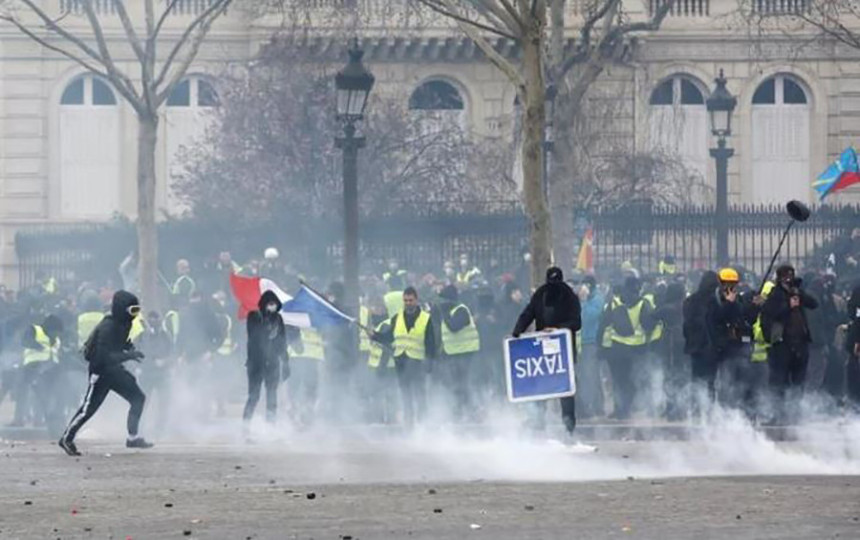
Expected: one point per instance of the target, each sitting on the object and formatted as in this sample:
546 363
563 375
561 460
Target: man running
106 350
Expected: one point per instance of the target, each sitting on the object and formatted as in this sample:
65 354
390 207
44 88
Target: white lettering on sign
542 365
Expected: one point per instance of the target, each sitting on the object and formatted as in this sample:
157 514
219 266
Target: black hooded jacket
696 336
267 333
109 341
553 305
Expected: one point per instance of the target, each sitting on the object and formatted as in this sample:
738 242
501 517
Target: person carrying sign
411 334
553 306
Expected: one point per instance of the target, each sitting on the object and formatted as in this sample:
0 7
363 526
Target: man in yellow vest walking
413 338
460 343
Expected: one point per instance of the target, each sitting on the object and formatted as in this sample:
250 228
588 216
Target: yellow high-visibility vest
136 329
393 302
464 341
87 322
410 343
760 345
50 286
226 348
667 269
465 278
363 320
639 337
657 333
313 345
177 285
170 324
46 352
377 351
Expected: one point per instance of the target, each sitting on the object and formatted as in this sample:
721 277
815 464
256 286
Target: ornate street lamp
721 104
353 84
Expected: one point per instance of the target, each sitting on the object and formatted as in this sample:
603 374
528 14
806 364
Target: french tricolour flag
308 309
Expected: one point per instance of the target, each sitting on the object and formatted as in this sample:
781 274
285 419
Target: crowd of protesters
651 345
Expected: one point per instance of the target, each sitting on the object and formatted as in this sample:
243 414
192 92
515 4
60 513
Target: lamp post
720 105
353 84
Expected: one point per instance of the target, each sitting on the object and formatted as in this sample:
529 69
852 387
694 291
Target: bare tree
271 151
547 61
146 92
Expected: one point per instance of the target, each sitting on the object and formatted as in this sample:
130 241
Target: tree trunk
147 234
540 227
562 180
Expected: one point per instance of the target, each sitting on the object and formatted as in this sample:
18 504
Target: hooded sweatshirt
111 346
696 335
553 305
267 334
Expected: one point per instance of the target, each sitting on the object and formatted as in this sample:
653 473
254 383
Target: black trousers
100 384
788 363
259 373
852 381
412 380
622 363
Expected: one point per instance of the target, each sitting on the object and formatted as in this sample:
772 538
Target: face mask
412 309
271 308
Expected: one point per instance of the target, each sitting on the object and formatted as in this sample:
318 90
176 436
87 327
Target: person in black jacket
785 327
106 350
553 306
267 355
697 342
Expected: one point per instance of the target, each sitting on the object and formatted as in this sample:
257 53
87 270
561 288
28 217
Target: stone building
68 150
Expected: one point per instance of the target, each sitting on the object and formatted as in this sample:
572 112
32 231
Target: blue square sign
539 366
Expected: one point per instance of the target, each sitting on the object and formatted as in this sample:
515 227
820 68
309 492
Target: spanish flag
585 261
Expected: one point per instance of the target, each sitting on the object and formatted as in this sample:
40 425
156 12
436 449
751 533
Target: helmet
270 253
729 275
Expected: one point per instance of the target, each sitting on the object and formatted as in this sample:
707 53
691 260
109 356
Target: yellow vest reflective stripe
393 302
136 329
226 348
410 343
177 285
87 322
377 351
312 343
46 352
657 332
363 320
463 342
464 278
638 338
666 268
170 324
50 286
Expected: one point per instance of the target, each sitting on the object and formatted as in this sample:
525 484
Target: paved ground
436 485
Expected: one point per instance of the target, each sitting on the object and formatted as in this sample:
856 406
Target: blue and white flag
310 310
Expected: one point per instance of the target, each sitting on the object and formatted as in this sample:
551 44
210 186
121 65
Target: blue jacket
592 309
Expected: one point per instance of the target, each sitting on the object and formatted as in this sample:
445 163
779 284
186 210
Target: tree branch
204 21
115 75
52 26
127 25
505 66
436 6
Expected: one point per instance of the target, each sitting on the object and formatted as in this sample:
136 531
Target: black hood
710 281
122 300
267 297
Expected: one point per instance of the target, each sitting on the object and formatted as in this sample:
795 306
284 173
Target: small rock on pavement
186 532
738 516
474 526
437 510
311 496
168 505
630 478
529 507
431 492
346 537
33 482
28 503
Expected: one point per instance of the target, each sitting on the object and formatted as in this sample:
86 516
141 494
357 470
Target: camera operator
785 327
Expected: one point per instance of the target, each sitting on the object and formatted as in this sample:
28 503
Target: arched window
780 140
187 119
89 156
679 126
439 105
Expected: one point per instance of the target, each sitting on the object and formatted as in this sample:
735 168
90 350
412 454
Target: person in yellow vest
412 336
460 344
395 275
184 285
468 274
667 266
41 343
92 313
306 357
383 406
755 390
627 314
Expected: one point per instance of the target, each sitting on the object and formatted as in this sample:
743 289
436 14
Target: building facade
68 152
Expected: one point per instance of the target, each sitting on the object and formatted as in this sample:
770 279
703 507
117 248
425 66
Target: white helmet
271 253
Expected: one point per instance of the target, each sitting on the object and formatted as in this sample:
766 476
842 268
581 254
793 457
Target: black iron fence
423 241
